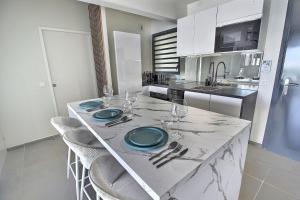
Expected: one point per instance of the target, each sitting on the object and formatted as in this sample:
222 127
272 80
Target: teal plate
108 114
146 149
146 138
90 104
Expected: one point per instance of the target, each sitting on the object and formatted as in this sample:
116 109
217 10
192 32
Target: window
164 52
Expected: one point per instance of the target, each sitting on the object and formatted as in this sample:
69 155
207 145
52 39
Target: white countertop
203 132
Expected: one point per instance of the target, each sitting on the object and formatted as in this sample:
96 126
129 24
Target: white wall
26 108
277 13
2 151
159 26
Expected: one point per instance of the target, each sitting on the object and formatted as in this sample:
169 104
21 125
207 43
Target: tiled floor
38 172
268 176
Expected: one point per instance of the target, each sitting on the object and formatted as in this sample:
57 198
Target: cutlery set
91 106
118 121
173 148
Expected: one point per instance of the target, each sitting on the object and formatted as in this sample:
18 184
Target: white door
205 31
185 35
128 61
71 66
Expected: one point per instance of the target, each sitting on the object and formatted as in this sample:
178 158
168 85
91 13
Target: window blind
164 52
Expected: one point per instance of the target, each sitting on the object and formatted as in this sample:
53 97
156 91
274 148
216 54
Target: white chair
62 125
86 148
112 182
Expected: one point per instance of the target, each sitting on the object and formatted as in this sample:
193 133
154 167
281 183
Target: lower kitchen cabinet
158 92
236 107
242 107
146 90
226 105
197 100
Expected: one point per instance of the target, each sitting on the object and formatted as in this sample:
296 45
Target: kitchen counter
242 100
212 168
229 91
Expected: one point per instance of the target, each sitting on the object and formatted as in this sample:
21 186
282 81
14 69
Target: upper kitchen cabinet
196 33
205 31
239 11
185 35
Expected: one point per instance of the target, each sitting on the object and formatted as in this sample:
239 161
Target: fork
176 150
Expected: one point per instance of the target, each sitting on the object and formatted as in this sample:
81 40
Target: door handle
286 85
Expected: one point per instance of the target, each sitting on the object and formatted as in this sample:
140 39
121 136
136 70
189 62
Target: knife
173 157
119 122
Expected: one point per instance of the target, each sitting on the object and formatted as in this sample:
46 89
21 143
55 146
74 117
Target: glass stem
178 120
130 110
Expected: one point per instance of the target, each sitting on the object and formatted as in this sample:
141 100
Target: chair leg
97 197
69 163
82 183
77 176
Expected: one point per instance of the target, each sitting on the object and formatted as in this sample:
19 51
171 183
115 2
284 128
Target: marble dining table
211 169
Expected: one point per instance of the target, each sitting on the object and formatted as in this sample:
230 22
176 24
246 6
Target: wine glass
179 110
108 93
166 122
130 98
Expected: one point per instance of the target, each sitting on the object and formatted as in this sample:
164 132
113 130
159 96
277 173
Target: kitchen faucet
216 75
212 65
211 71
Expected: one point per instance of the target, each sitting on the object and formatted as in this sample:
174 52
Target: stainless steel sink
227 84
207 88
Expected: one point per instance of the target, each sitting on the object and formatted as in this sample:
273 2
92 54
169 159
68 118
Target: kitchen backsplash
245 66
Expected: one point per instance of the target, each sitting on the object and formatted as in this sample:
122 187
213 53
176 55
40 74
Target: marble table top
204 133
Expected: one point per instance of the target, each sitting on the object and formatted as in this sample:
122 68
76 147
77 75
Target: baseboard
255 144
32 142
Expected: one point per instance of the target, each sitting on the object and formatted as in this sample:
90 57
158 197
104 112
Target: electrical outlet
266 66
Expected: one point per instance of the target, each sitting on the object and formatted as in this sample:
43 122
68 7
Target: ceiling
169 10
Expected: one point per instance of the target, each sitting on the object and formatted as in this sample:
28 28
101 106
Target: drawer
197 100
226 105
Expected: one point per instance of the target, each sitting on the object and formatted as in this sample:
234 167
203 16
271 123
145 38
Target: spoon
172 145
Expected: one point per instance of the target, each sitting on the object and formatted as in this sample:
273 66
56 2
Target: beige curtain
98 46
